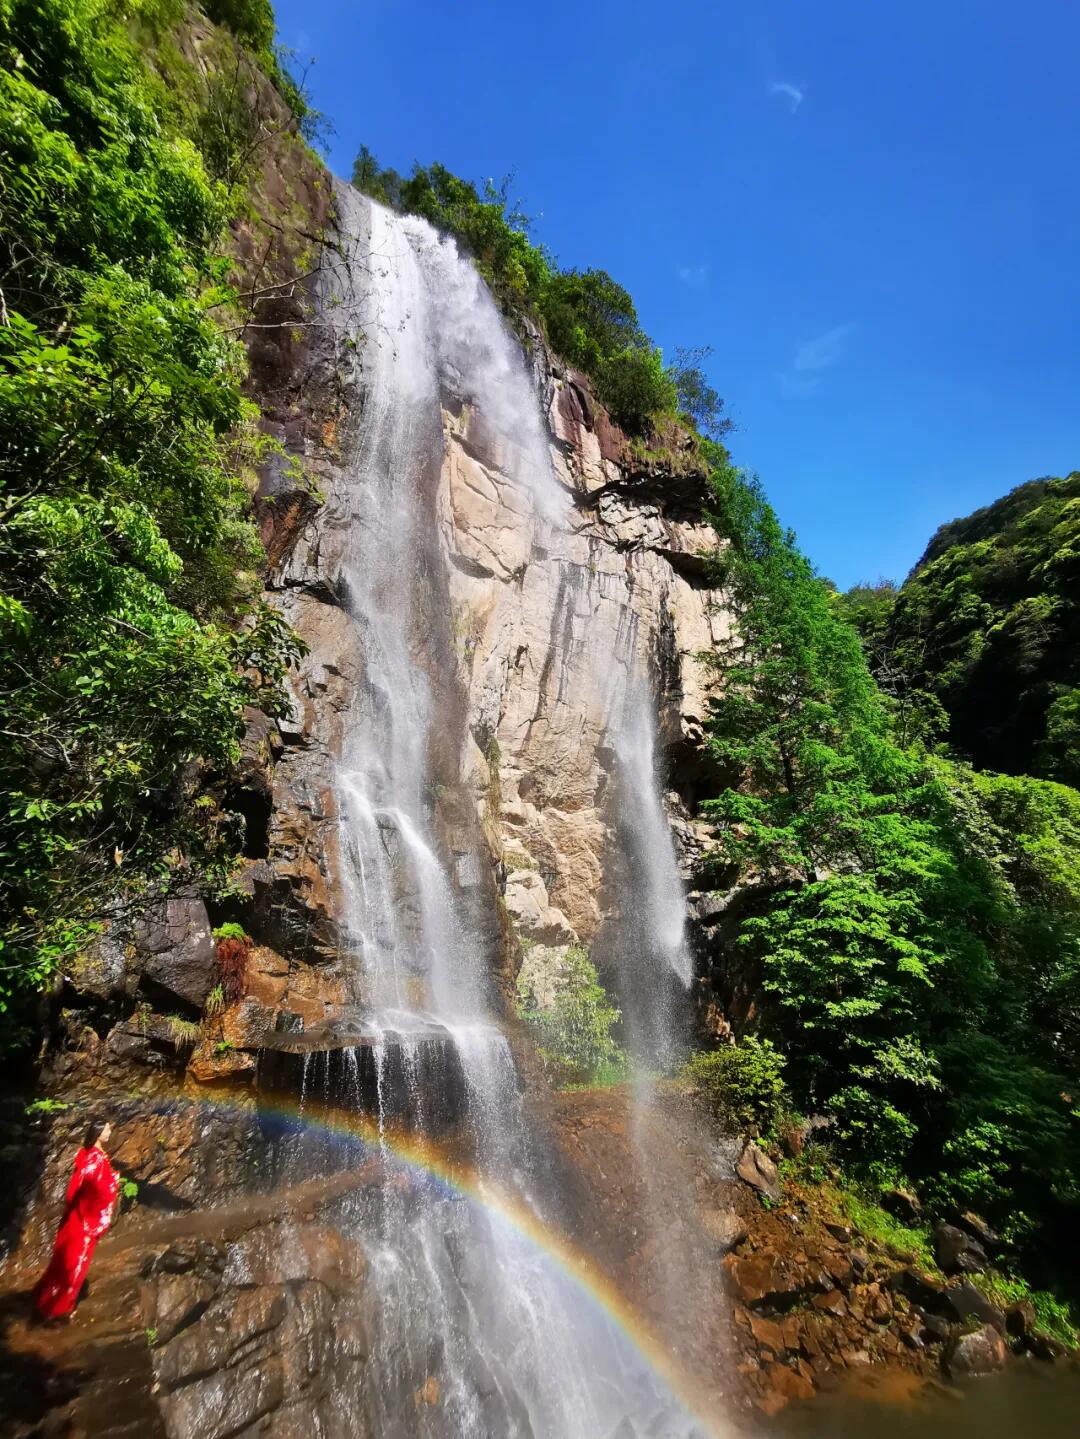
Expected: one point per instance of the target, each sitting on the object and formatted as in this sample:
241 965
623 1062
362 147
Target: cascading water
477 1333
652 959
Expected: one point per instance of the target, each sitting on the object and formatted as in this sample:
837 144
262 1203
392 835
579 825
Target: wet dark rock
181 1301
980 1352
272 1321
1020 1319
963 1302
934 1329
225 1402
920 1288
975 1225
177 941
340 1060
957 1252
188 1256
840 1232
902 1204
1044 1346
754 1167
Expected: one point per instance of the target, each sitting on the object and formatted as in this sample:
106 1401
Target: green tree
588 317
132 634
913 922
986 623
741 1083
574 1029
696 397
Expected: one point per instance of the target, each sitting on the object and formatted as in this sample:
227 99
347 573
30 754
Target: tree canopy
913 922
132 634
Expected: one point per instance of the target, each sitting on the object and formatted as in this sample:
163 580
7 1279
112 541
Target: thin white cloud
693 275
812 358
824 351
790 93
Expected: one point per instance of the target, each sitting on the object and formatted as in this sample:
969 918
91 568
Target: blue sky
869 208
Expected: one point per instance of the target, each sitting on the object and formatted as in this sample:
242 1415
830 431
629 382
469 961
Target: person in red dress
89 1208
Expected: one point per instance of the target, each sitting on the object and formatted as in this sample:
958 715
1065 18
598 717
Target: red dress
87 1214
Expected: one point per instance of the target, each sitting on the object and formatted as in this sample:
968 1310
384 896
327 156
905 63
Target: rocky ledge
815 1299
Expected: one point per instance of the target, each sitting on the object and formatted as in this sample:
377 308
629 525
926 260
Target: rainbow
422 1158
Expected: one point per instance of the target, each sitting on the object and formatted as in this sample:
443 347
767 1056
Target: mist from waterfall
429 323
652 958
462 1300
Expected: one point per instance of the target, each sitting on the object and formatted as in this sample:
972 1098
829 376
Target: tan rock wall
547 623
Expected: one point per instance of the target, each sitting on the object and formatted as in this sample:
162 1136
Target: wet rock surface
273 1323
980 1352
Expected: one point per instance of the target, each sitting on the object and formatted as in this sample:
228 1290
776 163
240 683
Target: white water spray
459 1295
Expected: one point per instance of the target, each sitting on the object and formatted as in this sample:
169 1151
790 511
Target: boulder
957 1252
724 1228
211 1065
934 1329
1020 1319
921 1289
963 1302
975 1225
981 1352
767 1333
880 1306
761 1278
175 943
754 1167
902 1204
832 1303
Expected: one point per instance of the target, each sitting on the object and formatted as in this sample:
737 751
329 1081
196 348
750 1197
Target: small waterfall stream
477 1331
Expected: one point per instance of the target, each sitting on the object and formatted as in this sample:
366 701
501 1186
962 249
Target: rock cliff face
531 638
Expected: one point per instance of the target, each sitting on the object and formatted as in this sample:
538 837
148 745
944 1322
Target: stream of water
466 1309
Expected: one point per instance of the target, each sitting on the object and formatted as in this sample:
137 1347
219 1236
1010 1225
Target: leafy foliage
575 1028
913 923
741 1083
131 632
698 400
250 20
987 623
589 318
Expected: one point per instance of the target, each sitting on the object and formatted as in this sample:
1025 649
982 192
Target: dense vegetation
589 319
574 1027
915 923
987 625
913 917
131 631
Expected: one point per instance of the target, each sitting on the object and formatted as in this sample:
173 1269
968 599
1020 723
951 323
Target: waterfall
651 959
467 1308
